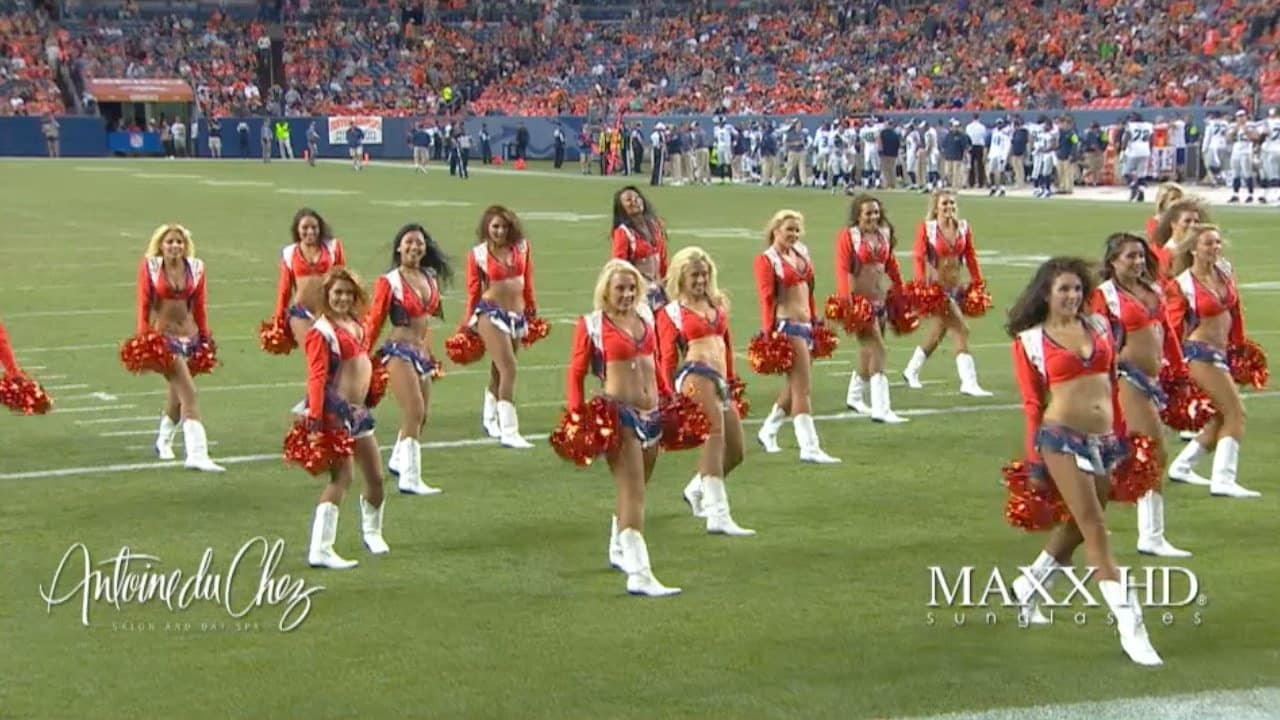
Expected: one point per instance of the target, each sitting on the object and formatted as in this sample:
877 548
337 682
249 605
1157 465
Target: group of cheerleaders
660 326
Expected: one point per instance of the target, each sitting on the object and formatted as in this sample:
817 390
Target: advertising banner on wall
370 124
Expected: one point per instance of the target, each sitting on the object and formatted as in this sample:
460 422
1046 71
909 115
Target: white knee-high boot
393 462
1025 590
411 469
324 528
616 558
968 372
489 415
164 437
807 439
640 579
1151 539
768 434
881 411
371 526
693 495
1183 467
716 503
1226 460
509 427
912 373
197 444
856 399
1128 615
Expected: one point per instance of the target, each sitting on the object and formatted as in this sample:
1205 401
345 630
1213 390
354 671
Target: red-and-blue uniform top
394 297
294 264
931 247
855 248
327 346
773 272
483 268
679 325
1192 301
1039 364
631 246
1128 314
6 353
154 287
597 341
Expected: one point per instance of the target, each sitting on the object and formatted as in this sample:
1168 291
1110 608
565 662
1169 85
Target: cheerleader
695 324
618 343
338 373
640 238
1169 233
500 300
784 281
942 242
1207 314
864 255
1064 362
1131 299
303 264
1167 194
410 294
7 359
172 294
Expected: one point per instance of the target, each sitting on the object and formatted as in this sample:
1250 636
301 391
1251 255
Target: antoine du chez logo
126 578
1168 594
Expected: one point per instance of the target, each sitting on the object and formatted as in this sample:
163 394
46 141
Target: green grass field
495 601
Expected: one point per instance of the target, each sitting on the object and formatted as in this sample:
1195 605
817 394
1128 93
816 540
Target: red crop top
6 353
397 298
1190 300
630 245
1039 364
1128 314
931 247
294 264
153 286
1153 222
678 326
327 345
853 248
483 268
597 341
773 272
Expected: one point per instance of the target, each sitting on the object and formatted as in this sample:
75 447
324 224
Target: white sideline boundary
476 442
1254 704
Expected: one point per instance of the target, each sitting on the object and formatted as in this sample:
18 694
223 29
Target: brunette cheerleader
695 325
500 300
171 299
640 238
303 264
1131 299
943 241
1207 314
409 293
1064 362
1169 233
784 281
618 343
864 256
338 374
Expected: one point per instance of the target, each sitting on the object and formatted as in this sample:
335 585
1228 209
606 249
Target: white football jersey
1139 138
1215 132
1001 142
1271 143
1238 134
823 141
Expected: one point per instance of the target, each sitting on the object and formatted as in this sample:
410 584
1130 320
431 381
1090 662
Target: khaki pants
702 165
677 167
796 162
420 156
215 146
953 172
1066 171
1019 170
889 171
768 169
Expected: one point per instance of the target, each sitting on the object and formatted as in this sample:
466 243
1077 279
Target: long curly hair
1115 245
1032 306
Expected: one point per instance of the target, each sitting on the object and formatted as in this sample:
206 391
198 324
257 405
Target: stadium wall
87 137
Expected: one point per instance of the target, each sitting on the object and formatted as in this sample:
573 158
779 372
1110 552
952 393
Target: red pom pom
464 347
538 329
1137 473
770 354
147 352
24 395
586 432
1248 363
684 424
855 314
1187 407
1031 506
738 396
903 317
976 301
275 337
824 341
378 381
204 359
317 450
926 298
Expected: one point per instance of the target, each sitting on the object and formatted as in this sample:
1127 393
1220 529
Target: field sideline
495 600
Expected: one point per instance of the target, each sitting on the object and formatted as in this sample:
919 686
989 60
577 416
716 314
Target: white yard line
65 387
477 442
101 408
1253 704
112 421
